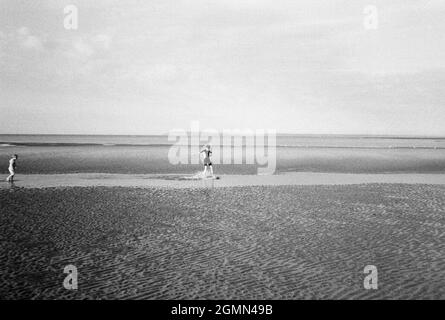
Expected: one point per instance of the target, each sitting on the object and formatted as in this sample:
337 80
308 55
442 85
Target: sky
148 67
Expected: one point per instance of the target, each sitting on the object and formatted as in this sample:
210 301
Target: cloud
62 58
32 42
82 49
2 43
23 31
274 61
103 41
142 73
27 40
86 47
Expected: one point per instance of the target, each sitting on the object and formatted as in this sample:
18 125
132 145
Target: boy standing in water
12 165
207 161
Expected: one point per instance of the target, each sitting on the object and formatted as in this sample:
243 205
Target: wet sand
189 181
250 242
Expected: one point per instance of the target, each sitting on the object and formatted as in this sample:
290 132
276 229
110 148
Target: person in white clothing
12 166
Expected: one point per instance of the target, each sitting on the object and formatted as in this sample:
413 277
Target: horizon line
278 134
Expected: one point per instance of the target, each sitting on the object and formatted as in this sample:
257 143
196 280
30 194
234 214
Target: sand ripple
287 242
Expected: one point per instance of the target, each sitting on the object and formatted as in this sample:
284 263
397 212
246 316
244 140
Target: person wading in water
207 162
12 165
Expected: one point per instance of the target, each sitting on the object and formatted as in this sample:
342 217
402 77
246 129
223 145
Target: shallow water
149 154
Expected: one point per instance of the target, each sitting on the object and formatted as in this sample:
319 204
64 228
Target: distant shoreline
299 135
8 144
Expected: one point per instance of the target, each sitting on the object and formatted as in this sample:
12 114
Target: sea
156 154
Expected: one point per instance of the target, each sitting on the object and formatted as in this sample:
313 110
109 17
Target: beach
181 181
249 242
222 150
138 227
